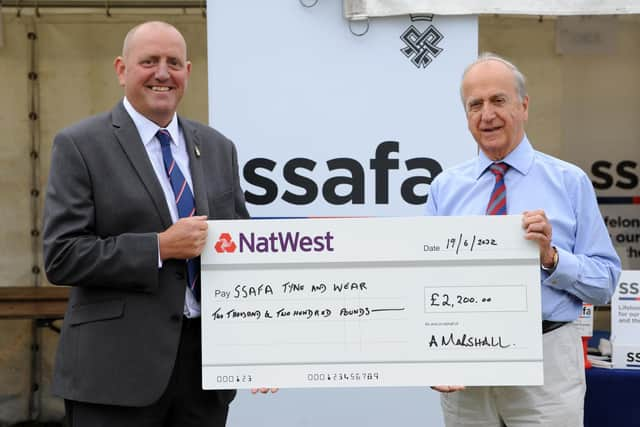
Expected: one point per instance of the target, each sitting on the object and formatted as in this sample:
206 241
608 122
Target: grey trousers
559 403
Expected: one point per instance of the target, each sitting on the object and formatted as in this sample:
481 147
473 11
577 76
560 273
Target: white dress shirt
147 131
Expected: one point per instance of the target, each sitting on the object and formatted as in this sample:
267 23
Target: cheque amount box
337 302
475 298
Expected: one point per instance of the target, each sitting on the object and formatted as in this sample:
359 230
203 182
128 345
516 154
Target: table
43 304
612 398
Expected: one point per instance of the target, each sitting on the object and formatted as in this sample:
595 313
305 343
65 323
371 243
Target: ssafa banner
614 173
328 123
625 321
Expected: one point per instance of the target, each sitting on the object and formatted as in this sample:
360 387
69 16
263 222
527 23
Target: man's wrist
159 255
554 263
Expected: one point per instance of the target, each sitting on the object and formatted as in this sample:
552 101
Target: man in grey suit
130 348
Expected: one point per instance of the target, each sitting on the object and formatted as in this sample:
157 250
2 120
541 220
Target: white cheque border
390 374
429 310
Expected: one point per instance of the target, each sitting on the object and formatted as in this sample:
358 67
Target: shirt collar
148 129
520 159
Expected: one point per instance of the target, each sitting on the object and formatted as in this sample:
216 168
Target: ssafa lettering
296 173
632 288
633 357
624 176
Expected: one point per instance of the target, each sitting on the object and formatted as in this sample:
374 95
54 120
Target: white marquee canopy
363 9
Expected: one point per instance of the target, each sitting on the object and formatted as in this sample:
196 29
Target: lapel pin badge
197 150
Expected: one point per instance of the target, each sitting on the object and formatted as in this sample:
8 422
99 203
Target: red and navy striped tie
498 201
184 202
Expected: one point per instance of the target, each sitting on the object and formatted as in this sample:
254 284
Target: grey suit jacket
104 207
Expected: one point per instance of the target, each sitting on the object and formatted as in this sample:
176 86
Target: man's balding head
154 70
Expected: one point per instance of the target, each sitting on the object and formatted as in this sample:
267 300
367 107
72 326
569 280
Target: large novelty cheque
370 302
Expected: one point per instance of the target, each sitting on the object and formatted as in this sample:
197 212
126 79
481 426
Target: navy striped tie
184 201
498 201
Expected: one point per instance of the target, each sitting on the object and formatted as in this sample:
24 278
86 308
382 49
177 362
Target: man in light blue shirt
560 213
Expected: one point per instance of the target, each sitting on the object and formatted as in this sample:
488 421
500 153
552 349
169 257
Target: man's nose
162 72
488 112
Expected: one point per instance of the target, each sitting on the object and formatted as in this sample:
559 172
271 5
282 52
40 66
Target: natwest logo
225 243
286 242
280 241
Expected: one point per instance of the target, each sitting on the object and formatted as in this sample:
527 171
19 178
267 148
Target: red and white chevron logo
225 244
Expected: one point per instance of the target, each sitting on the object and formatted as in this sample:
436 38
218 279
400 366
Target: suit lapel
129 139
194 148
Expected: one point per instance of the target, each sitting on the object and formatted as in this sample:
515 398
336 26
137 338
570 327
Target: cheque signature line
312 343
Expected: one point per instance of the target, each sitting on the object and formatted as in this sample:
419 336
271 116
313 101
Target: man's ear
525 107
120 68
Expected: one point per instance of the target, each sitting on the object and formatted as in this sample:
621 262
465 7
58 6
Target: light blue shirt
147 131
588 266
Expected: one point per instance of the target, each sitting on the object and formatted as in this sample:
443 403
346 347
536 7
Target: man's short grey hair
520 80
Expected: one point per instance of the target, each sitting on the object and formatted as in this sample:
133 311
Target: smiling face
153 70
496 113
